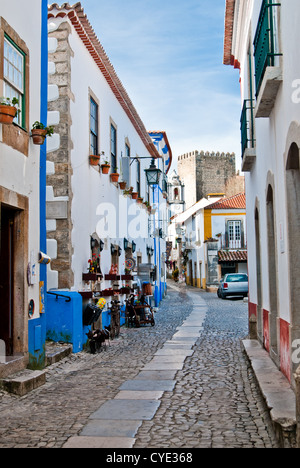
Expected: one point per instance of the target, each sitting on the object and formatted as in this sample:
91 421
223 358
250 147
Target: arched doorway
272 266
293 213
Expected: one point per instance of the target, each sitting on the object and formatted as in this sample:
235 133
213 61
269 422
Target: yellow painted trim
228 214
207 224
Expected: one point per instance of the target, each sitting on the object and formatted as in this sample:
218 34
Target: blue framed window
113 148
138 177
93 127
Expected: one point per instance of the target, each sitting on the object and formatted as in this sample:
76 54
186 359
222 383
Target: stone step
55 352
11 364
23 382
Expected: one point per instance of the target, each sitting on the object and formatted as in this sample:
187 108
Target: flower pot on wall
122 185
7 114
134 195
39 132
114 177
38 136
105 168
94 159
140 200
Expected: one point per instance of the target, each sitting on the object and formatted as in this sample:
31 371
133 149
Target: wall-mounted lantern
153 174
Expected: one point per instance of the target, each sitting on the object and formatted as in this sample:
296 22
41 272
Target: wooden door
6 278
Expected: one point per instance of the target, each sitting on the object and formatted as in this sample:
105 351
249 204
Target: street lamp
153 174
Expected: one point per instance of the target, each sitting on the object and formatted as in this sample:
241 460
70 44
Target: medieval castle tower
205 173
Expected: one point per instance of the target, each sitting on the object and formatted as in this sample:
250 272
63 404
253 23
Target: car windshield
237 278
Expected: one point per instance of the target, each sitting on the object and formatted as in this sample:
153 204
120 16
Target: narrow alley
209 400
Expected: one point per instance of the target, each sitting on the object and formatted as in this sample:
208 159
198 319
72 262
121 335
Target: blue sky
168 55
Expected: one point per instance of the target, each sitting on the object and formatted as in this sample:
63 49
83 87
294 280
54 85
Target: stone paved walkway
137 394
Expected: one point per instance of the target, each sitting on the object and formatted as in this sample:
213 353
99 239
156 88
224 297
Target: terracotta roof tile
85 31
233 256
237 201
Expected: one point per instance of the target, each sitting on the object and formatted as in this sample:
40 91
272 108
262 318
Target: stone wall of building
187 174
204 173
59 178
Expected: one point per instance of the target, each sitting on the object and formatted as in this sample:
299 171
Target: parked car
233 284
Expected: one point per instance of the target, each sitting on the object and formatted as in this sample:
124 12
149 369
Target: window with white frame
234 234
14 77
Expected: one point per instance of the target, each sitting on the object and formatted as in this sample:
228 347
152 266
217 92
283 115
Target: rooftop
237 201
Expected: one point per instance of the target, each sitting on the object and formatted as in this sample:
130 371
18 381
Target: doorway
7 252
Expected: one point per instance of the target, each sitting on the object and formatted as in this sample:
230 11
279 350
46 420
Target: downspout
43 151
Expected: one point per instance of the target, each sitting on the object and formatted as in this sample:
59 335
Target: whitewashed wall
271 137
20 173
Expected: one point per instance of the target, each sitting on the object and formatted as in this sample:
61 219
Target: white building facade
261 41
23 75
91 215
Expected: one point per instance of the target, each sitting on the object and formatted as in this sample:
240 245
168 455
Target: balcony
227 242
268 73
247 134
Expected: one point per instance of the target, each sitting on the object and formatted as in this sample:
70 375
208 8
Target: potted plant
122 185
94 159
134 195
8 110
114 176
105 167
39 132
140 200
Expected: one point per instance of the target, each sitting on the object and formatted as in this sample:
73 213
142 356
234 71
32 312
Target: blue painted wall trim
37 327
64 320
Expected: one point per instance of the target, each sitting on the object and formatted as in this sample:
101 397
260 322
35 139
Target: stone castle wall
204 173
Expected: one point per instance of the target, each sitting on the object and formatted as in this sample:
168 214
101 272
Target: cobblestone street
215 402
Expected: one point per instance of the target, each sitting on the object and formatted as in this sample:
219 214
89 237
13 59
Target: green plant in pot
39 132
8 110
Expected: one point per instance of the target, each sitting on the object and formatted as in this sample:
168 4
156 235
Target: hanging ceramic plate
130 263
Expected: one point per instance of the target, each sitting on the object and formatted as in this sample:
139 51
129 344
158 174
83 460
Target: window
14 76
138 177
234 234
127 151
237 278
93 127
113 148
125 164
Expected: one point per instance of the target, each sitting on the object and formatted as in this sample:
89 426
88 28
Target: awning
232 256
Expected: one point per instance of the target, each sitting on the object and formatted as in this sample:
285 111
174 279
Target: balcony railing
264 42
225 243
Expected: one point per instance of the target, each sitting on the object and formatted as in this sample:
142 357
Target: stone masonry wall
204 173
213 170
60 178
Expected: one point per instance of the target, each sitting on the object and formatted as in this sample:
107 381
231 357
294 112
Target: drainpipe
43 152
297 381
